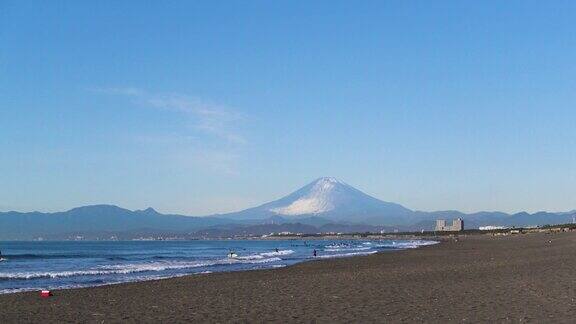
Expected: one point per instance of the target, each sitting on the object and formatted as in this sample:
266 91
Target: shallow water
57 265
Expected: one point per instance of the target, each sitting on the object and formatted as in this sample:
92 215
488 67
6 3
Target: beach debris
45 293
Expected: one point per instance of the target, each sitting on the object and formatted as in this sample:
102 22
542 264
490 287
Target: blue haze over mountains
325 205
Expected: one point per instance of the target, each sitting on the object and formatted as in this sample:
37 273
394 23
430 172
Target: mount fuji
329 199
325 205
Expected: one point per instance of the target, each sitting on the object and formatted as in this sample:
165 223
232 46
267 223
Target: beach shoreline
68 265
476 278
350 254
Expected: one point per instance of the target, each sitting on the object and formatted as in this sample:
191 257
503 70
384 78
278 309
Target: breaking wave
344 255
348 249
406 244
264 255
132 268
73 265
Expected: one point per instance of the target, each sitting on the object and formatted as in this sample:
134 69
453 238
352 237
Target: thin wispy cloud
208 122
206 116
209 117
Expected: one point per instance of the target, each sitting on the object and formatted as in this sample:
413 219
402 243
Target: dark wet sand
521 278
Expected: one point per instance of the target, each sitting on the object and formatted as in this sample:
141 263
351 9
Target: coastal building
456 226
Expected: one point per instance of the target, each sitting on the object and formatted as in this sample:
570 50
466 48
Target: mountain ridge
324 203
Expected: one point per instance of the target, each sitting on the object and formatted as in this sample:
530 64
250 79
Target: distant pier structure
442 226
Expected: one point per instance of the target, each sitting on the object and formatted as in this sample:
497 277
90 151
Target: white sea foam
410 244
15 290
345 255
407 244
134 268
279 253
337 245
252 261
348 249
84 285
264 255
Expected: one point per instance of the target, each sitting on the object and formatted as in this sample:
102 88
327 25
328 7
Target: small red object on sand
45 293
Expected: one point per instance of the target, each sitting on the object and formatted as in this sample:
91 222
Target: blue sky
199 107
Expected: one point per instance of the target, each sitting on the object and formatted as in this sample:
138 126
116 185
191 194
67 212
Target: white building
456 226
491 228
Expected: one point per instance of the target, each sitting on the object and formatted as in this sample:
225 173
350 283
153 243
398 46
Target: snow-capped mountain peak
329 199
318 199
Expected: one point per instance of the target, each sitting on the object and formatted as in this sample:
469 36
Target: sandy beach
520 278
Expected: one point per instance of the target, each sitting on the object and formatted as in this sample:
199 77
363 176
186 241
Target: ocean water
58 265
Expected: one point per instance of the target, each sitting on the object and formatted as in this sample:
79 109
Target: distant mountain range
98 218
325 205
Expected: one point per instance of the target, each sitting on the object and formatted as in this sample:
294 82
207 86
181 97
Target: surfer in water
314 253
276 251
